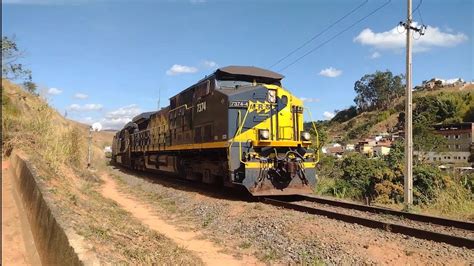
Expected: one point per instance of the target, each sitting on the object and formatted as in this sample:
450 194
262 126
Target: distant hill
349 125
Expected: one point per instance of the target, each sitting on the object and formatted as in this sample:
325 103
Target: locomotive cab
269 152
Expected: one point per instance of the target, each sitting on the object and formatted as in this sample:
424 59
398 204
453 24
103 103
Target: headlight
272 96
264 134
305 136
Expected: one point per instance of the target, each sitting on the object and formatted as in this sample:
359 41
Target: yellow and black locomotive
236 127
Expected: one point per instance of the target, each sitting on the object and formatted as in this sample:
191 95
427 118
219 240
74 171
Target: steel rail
411 216
390 227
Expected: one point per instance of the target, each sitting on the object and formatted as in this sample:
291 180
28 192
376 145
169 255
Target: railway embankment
56 245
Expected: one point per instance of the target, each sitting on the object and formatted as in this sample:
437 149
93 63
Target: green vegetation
380 107
381 181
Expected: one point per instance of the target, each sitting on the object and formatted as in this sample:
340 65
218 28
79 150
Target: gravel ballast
278 235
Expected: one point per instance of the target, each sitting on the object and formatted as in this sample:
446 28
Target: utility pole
159 98
89 148
95 127
408 179
408 185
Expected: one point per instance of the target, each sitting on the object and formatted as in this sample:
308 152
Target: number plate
238 104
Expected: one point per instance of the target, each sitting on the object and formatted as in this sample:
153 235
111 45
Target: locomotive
235 127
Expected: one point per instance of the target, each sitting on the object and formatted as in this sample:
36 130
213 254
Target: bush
363 174
427 181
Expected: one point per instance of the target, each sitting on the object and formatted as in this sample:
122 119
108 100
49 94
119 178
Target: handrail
317 133
179 107
239 130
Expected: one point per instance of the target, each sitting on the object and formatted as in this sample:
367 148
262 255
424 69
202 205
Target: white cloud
395 41
210 64
118 118
180 69
54 91
81 96
375 55
328 115
309 100
85 108
330 72
114 119
128 111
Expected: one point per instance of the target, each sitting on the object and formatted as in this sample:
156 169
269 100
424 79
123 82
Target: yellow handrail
239 130
317 133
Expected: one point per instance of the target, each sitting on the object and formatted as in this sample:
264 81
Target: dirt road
18 246
209 253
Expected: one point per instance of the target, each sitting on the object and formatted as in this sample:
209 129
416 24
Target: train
237 127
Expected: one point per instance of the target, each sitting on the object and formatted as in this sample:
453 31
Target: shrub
427 181
363 173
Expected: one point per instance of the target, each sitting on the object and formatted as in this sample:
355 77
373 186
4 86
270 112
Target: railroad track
453 232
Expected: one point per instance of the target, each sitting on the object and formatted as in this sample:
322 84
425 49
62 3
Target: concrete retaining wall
51 239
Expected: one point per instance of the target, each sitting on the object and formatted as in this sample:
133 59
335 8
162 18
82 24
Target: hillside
57 149
348 125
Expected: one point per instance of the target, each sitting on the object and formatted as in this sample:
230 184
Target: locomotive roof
248 71
240 73
144 116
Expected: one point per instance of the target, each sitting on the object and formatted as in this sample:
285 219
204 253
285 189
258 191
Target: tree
30 86
11 69
425 141
376 91
345 115
321 127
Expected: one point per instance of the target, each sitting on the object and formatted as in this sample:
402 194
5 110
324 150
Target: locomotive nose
281 175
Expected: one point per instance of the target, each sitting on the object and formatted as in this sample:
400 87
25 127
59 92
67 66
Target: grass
454 201
306 259
31 125
270 255
208 219
245 245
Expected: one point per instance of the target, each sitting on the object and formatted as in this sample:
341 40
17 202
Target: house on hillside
349 147
435 83
336 151
431 84
382 147
366 146
459 147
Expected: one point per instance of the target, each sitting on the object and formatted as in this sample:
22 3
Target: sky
108 60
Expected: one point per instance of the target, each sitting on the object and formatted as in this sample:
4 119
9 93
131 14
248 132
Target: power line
421 18
417 9
335 36
417 6
319 34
